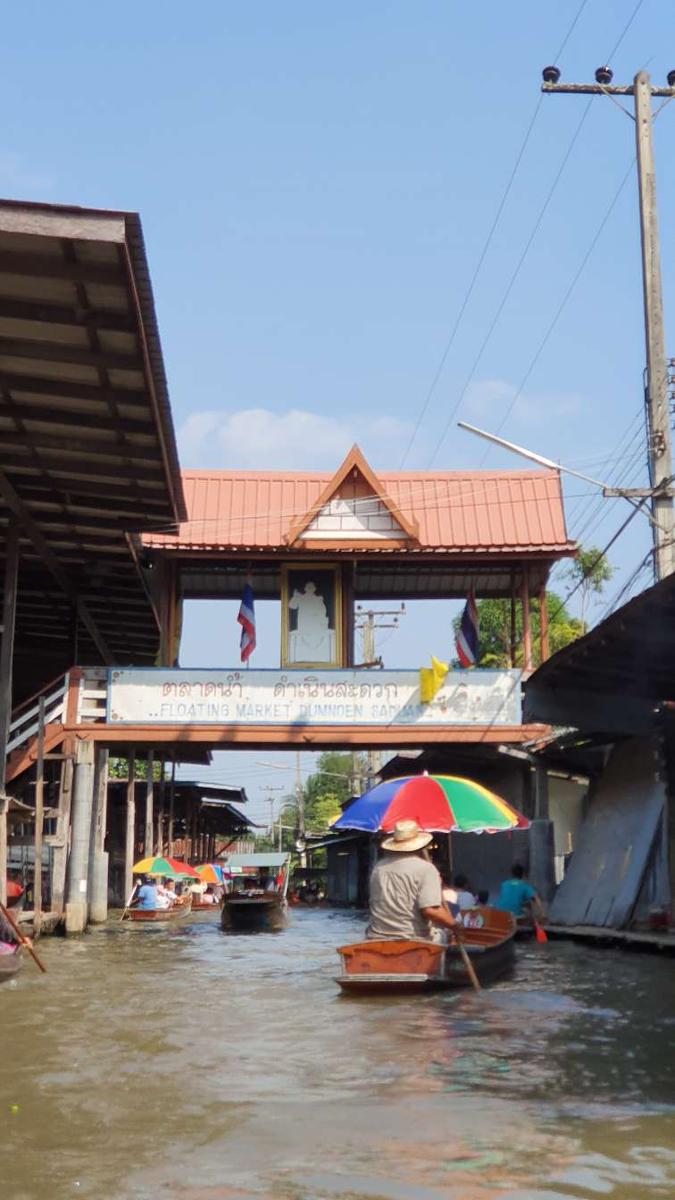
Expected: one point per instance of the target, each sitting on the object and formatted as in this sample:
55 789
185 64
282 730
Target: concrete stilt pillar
542 866
98 859
78 864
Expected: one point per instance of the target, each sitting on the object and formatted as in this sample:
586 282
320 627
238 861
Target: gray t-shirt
401 885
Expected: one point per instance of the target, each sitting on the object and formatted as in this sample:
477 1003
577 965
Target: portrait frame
327 578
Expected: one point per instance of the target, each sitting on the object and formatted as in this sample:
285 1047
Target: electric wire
513 279
486 246
560 309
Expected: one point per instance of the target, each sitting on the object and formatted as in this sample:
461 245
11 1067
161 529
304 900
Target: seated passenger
146 894
458 896
517 896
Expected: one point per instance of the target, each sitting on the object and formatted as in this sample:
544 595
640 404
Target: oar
128 903
539 932
467 962
22 940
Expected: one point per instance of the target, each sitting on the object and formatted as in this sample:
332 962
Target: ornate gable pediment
353 509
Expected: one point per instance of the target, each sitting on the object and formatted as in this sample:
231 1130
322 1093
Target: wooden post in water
130 840
149 803
172 798
160 812
39 820
98 861
193 831
6 664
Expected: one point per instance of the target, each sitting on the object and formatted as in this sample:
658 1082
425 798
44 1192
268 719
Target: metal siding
606 871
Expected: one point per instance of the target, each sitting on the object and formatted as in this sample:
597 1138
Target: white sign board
140 696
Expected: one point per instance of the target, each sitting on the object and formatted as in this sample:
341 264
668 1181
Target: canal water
182 1063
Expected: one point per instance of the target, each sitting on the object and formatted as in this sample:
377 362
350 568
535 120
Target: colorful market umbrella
169 868
439 803
211 873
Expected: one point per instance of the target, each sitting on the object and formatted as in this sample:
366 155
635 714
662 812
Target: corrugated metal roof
454 510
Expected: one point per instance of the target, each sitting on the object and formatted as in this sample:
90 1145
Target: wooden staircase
23 729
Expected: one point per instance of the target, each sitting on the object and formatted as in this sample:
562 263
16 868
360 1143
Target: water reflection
183 1063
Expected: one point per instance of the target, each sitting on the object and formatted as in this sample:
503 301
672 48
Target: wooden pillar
98 861
6 663
160 813
60 847
527 622
513 631
543 624
39 820
130 841
149 804
172 800
193 831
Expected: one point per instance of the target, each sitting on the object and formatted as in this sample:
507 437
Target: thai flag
246 618
467 637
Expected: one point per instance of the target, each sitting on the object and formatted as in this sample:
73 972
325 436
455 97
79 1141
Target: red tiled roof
455 511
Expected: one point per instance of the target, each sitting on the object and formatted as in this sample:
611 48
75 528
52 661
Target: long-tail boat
415 965
258 901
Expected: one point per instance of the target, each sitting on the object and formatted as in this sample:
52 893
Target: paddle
128 903
23 941
539 932
467 961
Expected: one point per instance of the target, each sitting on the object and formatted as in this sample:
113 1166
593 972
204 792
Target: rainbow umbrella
169 868
439 803
210 873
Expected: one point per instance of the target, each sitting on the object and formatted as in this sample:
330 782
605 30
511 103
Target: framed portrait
311 615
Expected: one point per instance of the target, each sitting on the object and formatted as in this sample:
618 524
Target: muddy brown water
183 1063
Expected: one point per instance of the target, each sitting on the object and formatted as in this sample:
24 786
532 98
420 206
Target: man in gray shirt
405 888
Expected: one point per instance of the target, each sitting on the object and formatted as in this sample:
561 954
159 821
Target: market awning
87 451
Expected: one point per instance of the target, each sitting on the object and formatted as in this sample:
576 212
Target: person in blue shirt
146 895
517 896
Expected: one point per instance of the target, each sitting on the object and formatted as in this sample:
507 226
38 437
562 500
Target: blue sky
316 183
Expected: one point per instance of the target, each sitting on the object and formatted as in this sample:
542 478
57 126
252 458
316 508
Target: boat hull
254 914
158 915
408 965
10 965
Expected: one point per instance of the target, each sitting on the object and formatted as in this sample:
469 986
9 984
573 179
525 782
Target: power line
486 246
512 281
625 29
563 302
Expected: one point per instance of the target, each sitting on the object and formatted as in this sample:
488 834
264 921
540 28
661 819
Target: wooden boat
181 909
256 909
415 965
199 906
10 964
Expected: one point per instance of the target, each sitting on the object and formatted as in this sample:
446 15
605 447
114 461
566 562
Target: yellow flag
431 679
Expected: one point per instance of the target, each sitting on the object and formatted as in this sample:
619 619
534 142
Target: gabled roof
355 469
459 512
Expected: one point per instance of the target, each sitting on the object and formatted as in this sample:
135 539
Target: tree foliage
494 626
589 571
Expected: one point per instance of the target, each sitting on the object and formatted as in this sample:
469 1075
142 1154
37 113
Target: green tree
323 794
494 626
589 571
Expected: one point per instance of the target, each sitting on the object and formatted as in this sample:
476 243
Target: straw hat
406 838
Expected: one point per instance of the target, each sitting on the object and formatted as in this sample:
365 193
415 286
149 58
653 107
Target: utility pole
370 621
658 414
270 791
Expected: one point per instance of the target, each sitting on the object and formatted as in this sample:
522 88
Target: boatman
405 888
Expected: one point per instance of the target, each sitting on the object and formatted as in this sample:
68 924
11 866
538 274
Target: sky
316 184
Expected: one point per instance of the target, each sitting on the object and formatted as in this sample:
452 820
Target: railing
25 723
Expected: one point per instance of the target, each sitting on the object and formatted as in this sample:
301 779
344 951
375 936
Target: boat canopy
254 862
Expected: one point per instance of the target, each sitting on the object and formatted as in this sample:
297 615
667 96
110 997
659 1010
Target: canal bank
184 1063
